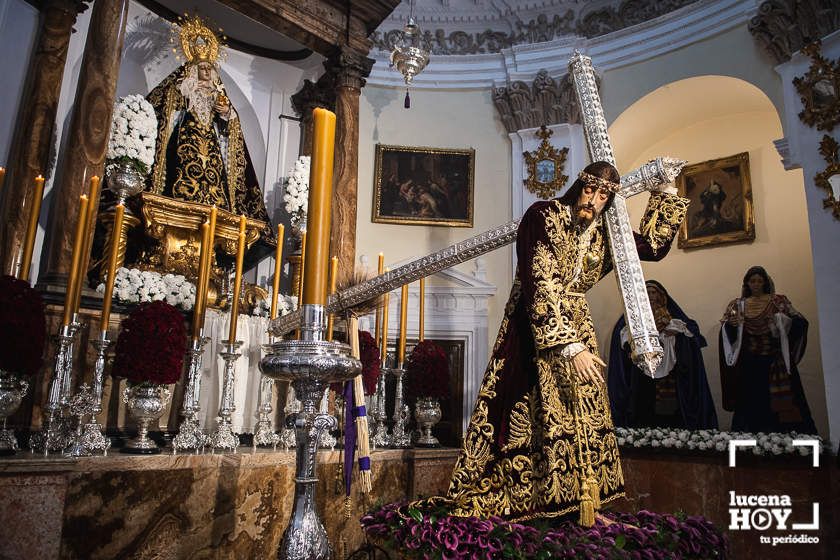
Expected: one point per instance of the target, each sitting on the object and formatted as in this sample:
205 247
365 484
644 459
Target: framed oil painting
423 186
721 209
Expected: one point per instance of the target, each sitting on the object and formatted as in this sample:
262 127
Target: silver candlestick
55 434
93 435
263 434
326 440
189 434
224 437
400 439
311 364
88 438
379 434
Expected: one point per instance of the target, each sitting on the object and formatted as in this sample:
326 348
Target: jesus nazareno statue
540 441
201 153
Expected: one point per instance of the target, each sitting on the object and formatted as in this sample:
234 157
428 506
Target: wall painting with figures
423 186
721 208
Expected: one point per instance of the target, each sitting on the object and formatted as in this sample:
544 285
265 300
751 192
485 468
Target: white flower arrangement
712 440
297 191
285 305
133 134
139 286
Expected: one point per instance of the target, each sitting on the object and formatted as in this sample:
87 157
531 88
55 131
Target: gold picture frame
545 167
423 186
721 208
830 151
819 90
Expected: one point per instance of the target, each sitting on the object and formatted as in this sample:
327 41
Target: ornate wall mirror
829 178
819 89
545 167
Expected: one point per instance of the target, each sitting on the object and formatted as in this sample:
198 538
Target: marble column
350 69
30 153
87 140
310 96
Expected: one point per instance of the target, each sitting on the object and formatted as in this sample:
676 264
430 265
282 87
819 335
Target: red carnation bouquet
23 327
427 372
369 351
151 345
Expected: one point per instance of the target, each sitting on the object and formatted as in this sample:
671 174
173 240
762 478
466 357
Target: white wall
18 32
463 119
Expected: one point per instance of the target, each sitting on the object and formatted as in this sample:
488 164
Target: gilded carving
545 167
819 89
829 178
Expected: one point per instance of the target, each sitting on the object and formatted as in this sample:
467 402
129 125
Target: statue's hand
588 367
223 109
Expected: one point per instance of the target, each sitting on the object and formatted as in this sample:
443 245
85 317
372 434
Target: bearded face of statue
591 203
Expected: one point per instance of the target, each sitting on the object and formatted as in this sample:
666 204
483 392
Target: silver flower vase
145 404
125 181
427 413
12 391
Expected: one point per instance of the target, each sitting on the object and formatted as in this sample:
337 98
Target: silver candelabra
189 434
224 437
399 439
310 364
263 434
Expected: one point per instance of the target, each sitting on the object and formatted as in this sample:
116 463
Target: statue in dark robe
678 395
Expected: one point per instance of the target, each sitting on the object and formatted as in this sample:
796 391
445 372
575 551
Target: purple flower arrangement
431 533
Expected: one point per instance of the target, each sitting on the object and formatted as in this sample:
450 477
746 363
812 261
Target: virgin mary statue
201 153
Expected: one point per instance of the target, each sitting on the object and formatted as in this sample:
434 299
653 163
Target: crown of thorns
598 182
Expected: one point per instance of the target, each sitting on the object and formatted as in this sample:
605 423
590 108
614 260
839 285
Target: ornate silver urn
145 404
427 413
310 364
125 181
12 391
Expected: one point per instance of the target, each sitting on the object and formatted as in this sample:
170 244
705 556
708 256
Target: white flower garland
712 440
297 191
139 286
133 133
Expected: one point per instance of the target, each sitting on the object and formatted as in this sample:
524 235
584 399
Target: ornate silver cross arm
656 172
644 340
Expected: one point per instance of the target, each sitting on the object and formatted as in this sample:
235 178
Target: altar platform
236 505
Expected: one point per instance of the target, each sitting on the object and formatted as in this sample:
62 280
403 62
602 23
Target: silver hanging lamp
411 52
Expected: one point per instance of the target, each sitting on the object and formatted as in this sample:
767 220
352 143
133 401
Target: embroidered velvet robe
536 429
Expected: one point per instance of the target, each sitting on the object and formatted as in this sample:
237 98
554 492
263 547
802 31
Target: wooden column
30 152
350 69
310 96
87 139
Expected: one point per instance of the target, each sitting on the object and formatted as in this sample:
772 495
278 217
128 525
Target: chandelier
411 52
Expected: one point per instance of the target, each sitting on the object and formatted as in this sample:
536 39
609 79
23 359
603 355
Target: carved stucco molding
783 27
543 28
546 101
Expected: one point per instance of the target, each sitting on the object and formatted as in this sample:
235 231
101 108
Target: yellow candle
383 346
422 308
320 201
201 282
403 322
333 278
378 332
93 204
75 261
278 264
208 262
237 281
31 227
112 268
2 176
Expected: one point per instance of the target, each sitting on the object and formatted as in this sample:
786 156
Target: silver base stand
224 437
189 434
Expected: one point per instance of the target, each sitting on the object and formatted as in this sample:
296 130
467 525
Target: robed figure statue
762 339
540 441
201 154
678 395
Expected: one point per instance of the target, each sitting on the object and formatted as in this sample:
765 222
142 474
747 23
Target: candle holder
223 436
94 436
56 434
287 434
263 434
189 434
379 434
88 438
400 439
311 364
12 391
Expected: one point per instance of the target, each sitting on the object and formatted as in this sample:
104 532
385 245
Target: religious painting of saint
423 186
721 202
